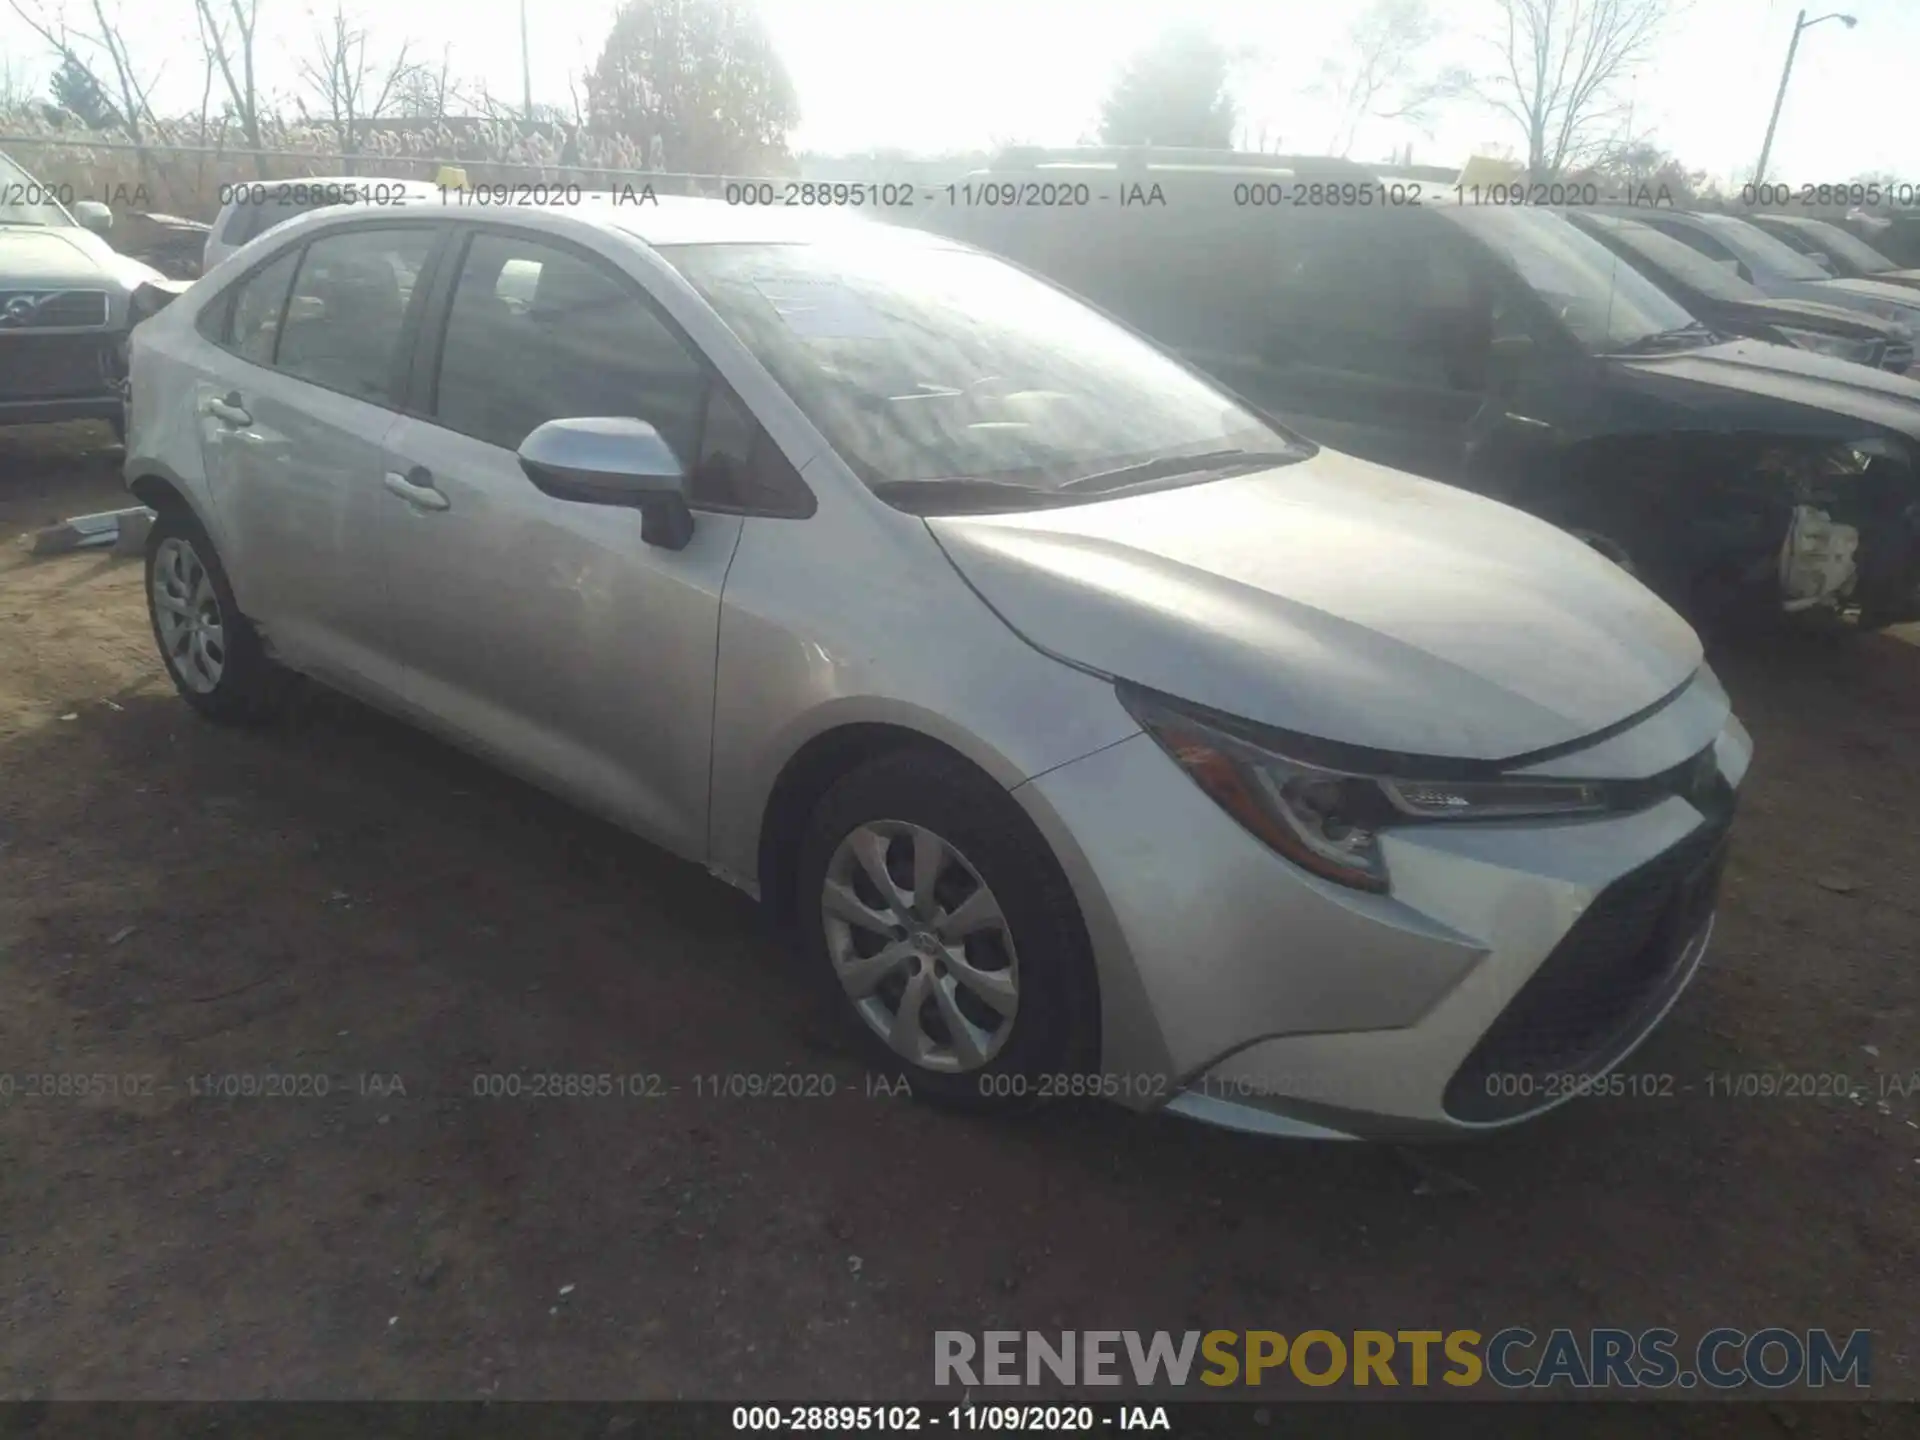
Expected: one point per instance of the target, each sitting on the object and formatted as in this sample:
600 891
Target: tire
212 653
1007 1057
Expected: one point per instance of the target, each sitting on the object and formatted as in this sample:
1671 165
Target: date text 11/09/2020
905 1419
1144 1088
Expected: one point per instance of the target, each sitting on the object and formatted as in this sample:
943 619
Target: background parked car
64 295
1728 305
1847 255
1500 348
1774 267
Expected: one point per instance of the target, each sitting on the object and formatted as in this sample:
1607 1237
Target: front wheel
938 922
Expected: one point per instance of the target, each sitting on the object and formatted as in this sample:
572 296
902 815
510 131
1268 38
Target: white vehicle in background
250 208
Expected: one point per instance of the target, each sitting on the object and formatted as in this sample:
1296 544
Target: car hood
1337 599
1753 384
36 257
1892 302
1816 315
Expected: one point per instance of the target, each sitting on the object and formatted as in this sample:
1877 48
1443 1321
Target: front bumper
58 375
1508 960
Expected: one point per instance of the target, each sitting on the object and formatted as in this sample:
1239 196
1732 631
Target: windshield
1856 252
921 363
1682 262
25 201
1757 247
1604 301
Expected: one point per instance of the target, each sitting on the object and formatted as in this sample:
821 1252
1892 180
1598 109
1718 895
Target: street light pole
526 74
1800 23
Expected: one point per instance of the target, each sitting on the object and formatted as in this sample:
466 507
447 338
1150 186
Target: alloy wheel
187 615
921 946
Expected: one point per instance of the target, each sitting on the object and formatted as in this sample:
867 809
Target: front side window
1603 301
347 313
1854 251
1759 249
1683 262
923 363
538 333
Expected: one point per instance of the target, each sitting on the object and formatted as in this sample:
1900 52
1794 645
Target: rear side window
348 310
246 320
537 333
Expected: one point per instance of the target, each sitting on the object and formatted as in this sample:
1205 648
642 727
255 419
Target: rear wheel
940 926
212 654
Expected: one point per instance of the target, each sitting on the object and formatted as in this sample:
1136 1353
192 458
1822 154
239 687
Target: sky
934 75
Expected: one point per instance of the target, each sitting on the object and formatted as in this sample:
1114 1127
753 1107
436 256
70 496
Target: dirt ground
342 898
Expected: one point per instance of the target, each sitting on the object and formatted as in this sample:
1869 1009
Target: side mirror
613 460
93 216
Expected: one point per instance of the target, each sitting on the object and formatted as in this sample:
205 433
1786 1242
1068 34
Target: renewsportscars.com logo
1515 1358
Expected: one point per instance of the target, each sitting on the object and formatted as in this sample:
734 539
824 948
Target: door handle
416 488
229 410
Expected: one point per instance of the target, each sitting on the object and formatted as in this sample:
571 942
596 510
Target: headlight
1327 820
1838 346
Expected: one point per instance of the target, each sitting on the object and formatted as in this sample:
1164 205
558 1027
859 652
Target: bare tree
230 51
353 88
425 93
16 86
1561 63
1381 74
74 47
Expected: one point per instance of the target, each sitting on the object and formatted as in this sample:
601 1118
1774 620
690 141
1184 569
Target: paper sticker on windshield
821 309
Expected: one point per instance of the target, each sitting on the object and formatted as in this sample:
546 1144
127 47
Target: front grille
52 309
1601 985
54 367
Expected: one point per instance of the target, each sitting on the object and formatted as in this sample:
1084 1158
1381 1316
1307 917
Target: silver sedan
1091 734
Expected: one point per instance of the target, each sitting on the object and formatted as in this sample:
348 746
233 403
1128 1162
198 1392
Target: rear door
544 632
292 425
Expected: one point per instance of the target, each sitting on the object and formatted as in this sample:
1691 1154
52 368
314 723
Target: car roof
686 220
656 220
1812 223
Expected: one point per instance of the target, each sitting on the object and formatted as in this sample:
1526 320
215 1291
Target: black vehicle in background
1728 305
1497 347
1846 254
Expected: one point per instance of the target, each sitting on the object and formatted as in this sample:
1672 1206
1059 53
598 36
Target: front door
1369 336
546 632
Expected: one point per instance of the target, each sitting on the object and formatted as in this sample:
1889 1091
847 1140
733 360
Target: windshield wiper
963 493
1171 465
1666 339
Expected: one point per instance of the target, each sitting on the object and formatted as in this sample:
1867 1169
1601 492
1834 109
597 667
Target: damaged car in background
1502 349
1731 307
64 306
